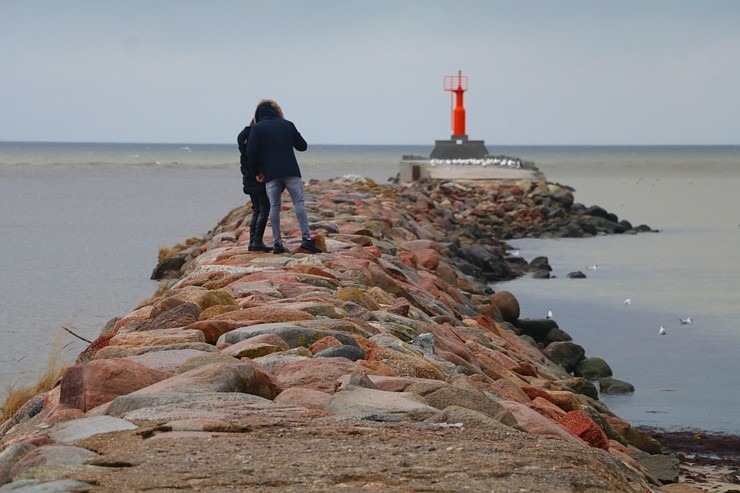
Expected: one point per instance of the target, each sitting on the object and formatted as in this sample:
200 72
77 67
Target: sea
82 223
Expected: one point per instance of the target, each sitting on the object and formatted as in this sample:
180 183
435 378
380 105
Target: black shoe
278 248
311 246
258 246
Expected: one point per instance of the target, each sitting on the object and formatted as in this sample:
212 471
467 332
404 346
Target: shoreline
708 460
402 261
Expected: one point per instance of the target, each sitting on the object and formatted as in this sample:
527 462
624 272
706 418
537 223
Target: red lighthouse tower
457 84
458 147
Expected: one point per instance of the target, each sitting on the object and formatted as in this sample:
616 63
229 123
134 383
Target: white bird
661 330
685 321
515 253
627 301
593 267
549 314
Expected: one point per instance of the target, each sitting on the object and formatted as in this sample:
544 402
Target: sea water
82 224
686 378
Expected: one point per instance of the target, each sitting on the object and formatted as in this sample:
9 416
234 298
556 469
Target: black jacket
271 143
249 182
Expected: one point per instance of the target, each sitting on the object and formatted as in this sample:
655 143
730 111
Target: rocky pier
385 363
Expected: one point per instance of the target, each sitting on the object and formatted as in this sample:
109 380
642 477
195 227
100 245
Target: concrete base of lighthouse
459 147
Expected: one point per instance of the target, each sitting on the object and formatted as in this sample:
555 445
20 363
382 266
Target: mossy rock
593 368
357 296
612 386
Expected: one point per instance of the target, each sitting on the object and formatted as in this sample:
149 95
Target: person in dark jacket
270 150
257 194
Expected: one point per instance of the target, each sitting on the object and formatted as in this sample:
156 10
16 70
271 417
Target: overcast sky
567 72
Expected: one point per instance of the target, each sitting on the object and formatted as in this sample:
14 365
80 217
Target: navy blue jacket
249 180
271 143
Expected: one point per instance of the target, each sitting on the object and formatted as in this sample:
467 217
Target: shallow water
80 244
687 378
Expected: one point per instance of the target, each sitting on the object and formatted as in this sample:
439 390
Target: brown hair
274 105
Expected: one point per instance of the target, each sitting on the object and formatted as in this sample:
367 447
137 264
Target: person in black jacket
257 194
270 150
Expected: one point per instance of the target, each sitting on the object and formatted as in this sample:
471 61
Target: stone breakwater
393 328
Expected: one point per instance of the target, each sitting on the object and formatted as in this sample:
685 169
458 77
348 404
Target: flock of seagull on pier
487 161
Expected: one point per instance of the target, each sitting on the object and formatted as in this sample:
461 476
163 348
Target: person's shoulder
257 127
289 123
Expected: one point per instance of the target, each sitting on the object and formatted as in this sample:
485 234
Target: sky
540 72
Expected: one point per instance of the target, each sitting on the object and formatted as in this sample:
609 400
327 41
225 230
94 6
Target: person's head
267 107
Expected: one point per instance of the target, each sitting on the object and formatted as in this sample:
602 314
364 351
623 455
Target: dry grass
16 397
166 252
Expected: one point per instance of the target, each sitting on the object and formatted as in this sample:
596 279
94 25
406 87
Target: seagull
661 331
549 314
628 301
685 321
593 267
515 253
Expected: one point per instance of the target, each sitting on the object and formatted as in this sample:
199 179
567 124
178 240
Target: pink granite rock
266 314
315 270
567 401
533 422
50 456
420 245
92 350
303 397
213 329
356 295
244 288
429 259
168 361
396 384
360 400
317 374
141 314
204 298
507 305
324 343
261 374
508 390
62 414
404 365
446 339
581 425
159 337
218 377
547 409
534 392
97 382
174 317
257 346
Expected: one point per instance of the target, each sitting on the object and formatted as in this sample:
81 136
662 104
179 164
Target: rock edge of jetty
395 325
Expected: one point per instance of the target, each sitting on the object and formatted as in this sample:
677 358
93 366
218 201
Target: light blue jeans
294 185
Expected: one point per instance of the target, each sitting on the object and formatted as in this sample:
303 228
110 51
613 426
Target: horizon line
101 142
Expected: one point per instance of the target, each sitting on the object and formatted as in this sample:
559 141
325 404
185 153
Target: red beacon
459 146
457 84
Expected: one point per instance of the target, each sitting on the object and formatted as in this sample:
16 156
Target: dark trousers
260 212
